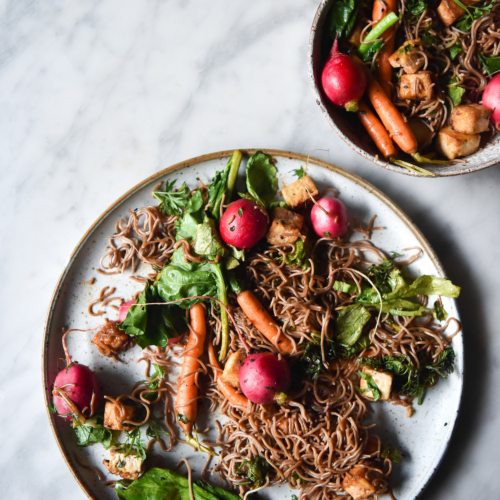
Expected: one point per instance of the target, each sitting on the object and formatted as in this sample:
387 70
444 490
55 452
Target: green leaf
300 171
342 18
299 257
236 285
255 469
208 242
153 324
439 311
87 434
391 453
195 202
223 184
455 50
491 64
415 7
348 352
235 258
262 183
372 386
341 286
372 49
428 38
154 431
52 409
276 204
430 285
173 202
350 323
187 225
159 374
455 91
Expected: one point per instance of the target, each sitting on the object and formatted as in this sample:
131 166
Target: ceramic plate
423 438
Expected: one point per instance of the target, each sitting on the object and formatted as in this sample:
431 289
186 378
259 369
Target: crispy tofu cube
381 378
356 484
406 56
296 194
127 467
470 119
285 227
449 11
231 374
416 86
452 144
112 418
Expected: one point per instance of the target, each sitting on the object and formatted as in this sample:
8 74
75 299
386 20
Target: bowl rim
320 101
194 161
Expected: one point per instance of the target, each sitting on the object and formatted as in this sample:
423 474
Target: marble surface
97 95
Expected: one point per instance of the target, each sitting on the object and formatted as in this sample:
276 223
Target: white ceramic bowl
350 129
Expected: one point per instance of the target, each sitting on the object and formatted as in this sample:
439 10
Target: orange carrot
376 130
380 9
228 391
187 391
392 119
261 319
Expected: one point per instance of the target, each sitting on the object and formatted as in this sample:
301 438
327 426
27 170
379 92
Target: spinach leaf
262 183
350 323
87 434
208 242
186 279
341 286
160 484
187 225
342 19
235 257
491 64
255 469
299 257
372 386
455 91
153 324
455 50
173 202
223 184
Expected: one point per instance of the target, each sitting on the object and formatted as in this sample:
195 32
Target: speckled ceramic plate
423 438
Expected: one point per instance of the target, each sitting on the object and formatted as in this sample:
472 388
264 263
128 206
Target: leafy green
472 12
439 311
187 225
397 365
428 38
255 469
350 323
154 430
235 257
384 24
341 286
159 374
235 284
173 202
223 184
134 442
299 257
153 324
299 172
162 484
455 50
186 279
391 453
87 434
415 7
455 91
281 204
380 274
262 183
372 386
491 64
208 241
342 18
52 409
373 48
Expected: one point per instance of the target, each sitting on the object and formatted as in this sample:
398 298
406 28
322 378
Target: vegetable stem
222 293
412 168
235 162
422 159
384 24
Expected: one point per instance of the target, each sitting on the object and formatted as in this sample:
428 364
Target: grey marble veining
97 95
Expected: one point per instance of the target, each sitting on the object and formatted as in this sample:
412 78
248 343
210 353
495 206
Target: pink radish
263 376
330 220
78 383
491 99
343 80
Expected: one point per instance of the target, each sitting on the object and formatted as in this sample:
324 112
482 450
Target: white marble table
97 95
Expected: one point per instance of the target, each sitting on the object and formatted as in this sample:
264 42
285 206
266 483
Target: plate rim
202 159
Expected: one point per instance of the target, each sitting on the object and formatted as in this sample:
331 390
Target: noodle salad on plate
275 315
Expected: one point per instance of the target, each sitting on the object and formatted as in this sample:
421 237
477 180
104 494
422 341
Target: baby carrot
261 319
186 387
229 392
376 130
392 119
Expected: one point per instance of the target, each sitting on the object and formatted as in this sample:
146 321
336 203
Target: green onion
412 168
384 24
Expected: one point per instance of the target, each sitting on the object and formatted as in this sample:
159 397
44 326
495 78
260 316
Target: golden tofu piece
114 420
417 86
296 194
470 118
356 484
452 144
406 56
127 467
381 378
285 227
231 374
449 11
355 37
